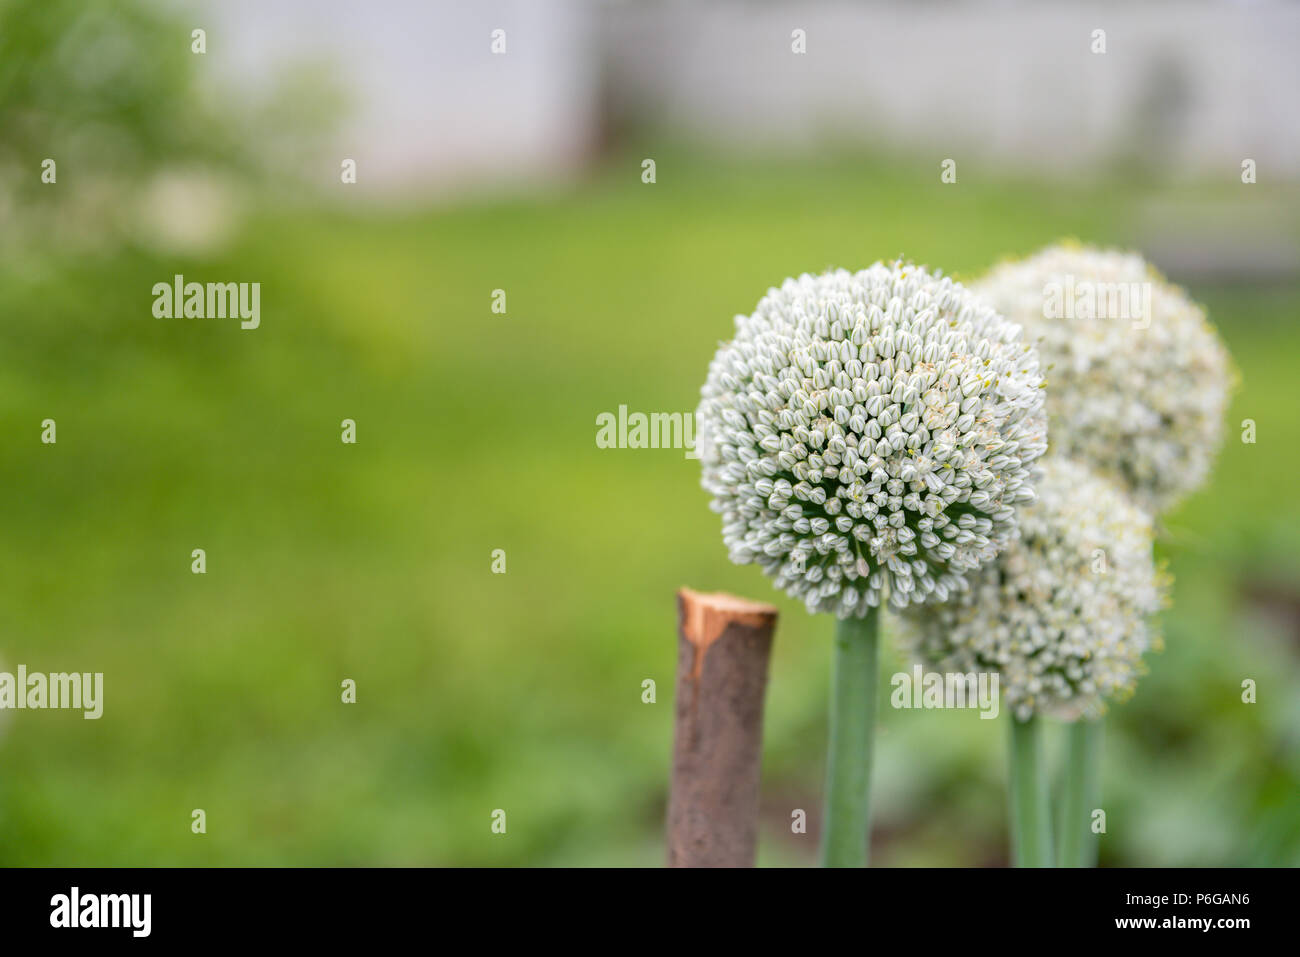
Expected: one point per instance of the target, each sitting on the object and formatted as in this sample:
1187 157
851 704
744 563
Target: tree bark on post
723 647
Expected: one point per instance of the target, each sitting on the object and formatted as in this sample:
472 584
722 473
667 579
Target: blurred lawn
522 691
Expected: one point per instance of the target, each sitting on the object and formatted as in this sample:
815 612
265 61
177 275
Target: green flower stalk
1079 794
853 717
869 438
1031 836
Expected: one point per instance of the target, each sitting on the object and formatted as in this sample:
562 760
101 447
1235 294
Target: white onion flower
869 435
1063 614
1140 395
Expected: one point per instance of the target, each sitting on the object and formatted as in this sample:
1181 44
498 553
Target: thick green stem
1031 837
1079 794
853 721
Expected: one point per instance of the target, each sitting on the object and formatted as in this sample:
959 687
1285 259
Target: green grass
523 691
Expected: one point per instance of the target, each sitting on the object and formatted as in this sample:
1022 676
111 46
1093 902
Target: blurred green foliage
113 92
475 432
108 90
122 69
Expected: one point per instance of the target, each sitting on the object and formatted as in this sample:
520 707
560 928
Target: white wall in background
1192 86
1199 85
433 105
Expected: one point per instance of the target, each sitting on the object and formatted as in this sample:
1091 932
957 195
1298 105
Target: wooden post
723 646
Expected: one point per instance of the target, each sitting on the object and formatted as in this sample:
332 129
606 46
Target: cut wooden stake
723 647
